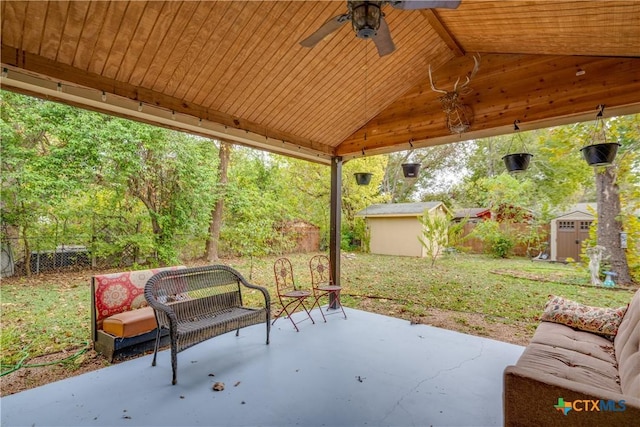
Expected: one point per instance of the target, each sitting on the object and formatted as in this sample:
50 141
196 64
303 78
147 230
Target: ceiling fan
368 21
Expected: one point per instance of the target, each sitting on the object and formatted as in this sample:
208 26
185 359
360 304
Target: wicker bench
199 303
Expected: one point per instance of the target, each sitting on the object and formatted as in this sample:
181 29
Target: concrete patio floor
368 370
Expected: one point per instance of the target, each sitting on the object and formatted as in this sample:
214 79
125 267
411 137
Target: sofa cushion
627 346
570 365
602 321
556 335
130 323
119 292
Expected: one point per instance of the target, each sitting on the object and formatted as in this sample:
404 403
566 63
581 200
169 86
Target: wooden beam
540 91
55 71
442 31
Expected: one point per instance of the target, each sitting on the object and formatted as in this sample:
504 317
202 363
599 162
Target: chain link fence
47 253
19 260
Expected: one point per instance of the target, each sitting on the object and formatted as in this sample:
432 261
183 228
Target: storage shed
569 230
305 236
394 228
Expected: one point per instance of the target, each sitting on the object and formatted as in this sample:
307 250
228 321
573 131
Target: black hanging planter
517 162
363 178
600 154
410 170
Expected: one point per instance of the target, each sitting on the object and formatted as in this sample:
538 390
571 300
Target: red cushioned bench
122 324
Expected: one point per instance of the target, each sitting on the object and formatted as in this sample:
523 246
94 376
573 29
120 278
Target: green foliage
77 177
497 242
625 130
356 197
433 162
534 237
455 232
557 176
63 166
254 212
434 235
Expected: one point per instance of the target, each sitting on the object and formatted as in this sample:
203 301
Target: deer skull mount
459 115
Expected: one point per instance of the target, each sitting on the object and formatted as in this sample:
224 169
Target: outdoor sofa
568 376
122 324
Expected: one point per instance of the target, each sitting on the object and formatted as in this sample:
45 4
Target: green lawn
51 313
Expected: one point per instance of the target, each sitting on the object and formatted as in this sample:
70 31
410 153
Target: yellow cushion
130 323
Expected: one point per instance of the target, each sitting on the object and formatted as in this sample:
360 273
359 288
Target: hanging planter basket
363 178
517 162
600 154
411 170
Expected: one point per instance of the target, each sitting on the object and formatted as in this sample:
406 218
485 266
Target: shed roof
584 208
399 209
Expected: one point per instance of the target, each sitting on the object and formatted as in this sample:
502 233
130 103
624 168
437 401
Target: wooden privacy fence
475 245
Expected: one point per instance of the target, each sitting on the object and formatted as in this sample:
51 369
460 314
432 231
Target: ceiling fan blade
327 28
425 4
383 40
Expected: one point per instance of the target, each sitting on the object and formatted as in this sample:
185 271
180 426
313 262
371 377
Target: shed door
570 236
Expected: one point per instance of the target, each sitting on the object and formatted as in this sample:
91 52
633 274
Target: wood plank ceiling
235 70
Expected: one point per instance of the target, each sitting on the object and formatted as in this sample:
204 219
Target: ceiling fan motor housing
365 17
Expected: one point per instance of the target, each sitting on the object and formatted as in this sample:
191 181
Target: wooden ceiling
235 70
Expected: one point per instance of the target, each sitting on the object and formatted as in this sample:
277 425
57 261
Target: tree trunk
27 252
211 251
609 224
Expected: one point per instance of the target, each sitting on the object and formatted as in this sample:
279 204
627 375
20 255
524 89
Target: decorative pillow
601 321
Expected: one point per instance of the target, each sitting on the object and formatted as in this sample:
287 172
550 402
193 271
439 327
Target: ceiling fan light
365 17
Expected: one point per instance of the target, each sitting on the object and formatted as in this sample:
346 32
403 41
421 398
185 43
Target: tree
254 211
45 161
55 157
610 213
434 235
211 250
169 172
399 189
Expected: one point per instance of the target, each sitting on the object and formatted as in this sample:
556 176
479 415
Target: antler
459 116
433 88
476 60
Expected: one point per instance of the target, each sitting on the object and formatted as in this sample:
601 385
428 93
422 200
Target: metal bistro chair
288 294
322 284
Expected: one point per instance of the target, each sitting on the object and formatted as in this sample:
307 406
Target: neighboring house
569 230
394 228
473 214
503 213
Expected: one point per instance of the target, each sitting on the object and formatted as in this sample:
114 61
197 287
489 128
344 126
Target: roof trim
385 207
183 118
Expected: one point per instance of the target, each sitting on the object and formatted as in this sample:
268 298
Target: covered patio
368 370
236 71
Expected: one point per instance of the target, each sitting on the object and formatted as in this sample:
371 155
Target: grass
51 313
